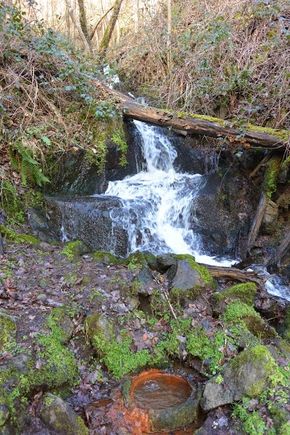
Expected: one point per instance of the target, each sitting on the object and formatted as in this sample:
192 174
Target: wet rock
77 173
222 213
87 219
7 330
164 262
249 374
60 417
217 422
144 282
187 278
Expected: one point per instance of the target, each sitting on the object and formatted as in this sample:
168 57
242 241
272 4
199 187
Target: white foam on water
158 201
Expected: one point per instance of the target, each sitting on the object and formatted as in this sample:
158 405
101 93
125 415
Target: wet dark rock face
223 211
75 174
82 218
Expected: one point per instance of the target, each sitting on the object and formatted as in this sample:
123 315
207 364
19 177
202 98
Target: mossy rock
188 279
97 324
7 331
138 260
240 313
248 374
58 364
114 351
245 292
107 258
74 250
60 417
204 273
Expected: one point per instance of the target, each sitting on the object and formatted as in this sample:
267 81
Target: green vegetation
245 292
7 332
119 139
239 313
252 422
118 356
73 250
17 237
271 176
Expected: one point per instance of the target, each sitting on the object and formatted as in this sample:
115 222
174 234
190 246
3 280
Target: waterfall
158 201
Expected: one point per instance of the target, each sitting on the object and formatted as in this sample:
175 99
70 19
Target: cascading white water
157 201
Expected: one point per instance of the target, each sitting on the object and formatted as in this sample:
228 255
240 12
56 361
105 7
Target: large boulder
87 219
248 374
222 213
60 417
187 278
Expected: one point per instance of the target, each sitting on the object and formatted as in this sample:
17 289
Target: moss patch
239 313
271 176
245 292
17 237
106 258
73 250
281 135
7 332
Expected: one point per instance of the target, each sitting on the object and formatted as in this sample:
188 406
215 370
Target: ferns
29 169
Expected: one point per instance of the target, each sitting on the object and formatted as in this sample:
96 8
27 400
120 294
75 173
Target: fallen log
193 124
234 274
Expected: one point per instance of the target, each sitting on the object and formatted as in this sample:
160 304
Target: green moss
252 423
118 138
284 429
74 249
118 356
18 237
11 202
106 258
238 310
281 135
262 359
202 270
7 332
239 313
271 176
245 292
137 260
59 365
207 349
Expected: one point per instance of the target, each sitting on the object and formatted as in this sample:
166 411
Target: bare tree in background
169 32
83 20
104 44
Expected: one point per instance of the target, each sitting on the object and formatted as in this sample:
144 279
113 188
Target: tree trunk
83 20
169 31
77 26
110 28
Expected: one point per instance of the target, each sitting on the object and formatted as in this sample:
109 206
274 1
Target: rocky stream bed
75 326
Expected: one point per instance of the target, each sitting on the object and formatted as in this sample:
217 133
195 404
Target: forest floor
38 281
